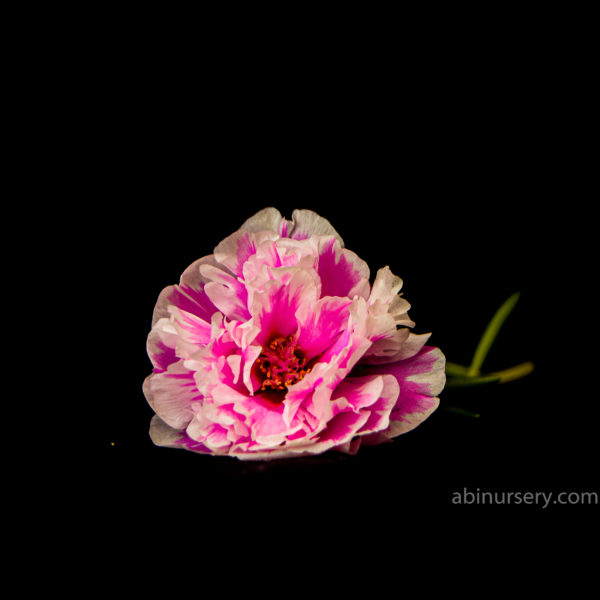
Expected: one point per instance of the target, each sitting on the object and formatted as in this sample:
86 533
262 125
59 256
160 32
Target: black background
451 178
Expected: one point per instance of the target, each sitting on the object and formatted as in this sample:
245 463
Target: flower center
281 364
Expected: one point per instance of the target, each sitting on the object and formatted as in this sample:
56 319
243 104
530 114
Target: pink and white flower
276 345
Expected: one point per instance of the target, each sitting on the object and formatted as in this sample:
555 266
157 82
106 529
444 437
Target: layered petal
268 219
189 295
320 323
420 378
161 343
308 223
304 224
274 308
171 394
341 271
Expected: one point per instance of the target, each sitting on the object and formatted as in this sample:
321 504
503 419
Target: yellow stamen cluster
280 364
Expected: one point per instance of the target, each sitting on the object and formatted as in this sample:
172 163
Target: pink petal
341 271
265 421
307 223
171 395
274 309
160 345
230 298
343 427
388 347
420 378
360 392
321 323
236 249
380 410
375 395
190 328
188 295
310 398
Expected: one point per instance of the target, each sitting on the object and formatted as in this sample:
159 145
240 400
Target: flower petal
413 345
235 250
342 428
387 347
164 435
192 331
274 308
171 395
161 343
360 392
268 219
227 293
420 378
385 299
188 295
321 323
385 287
264 418
375 394
379 416
308 222
341 271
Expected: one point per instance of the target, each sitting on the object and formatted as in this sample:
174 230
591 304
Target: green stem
454 369
490 333
513 373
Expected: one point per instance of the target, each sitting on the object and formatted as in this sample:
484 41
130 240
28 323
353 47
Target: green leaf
461 411
513 373
490 333
468 381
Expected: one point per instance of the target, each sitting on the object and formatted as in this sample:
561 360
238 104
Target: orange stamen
281 364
